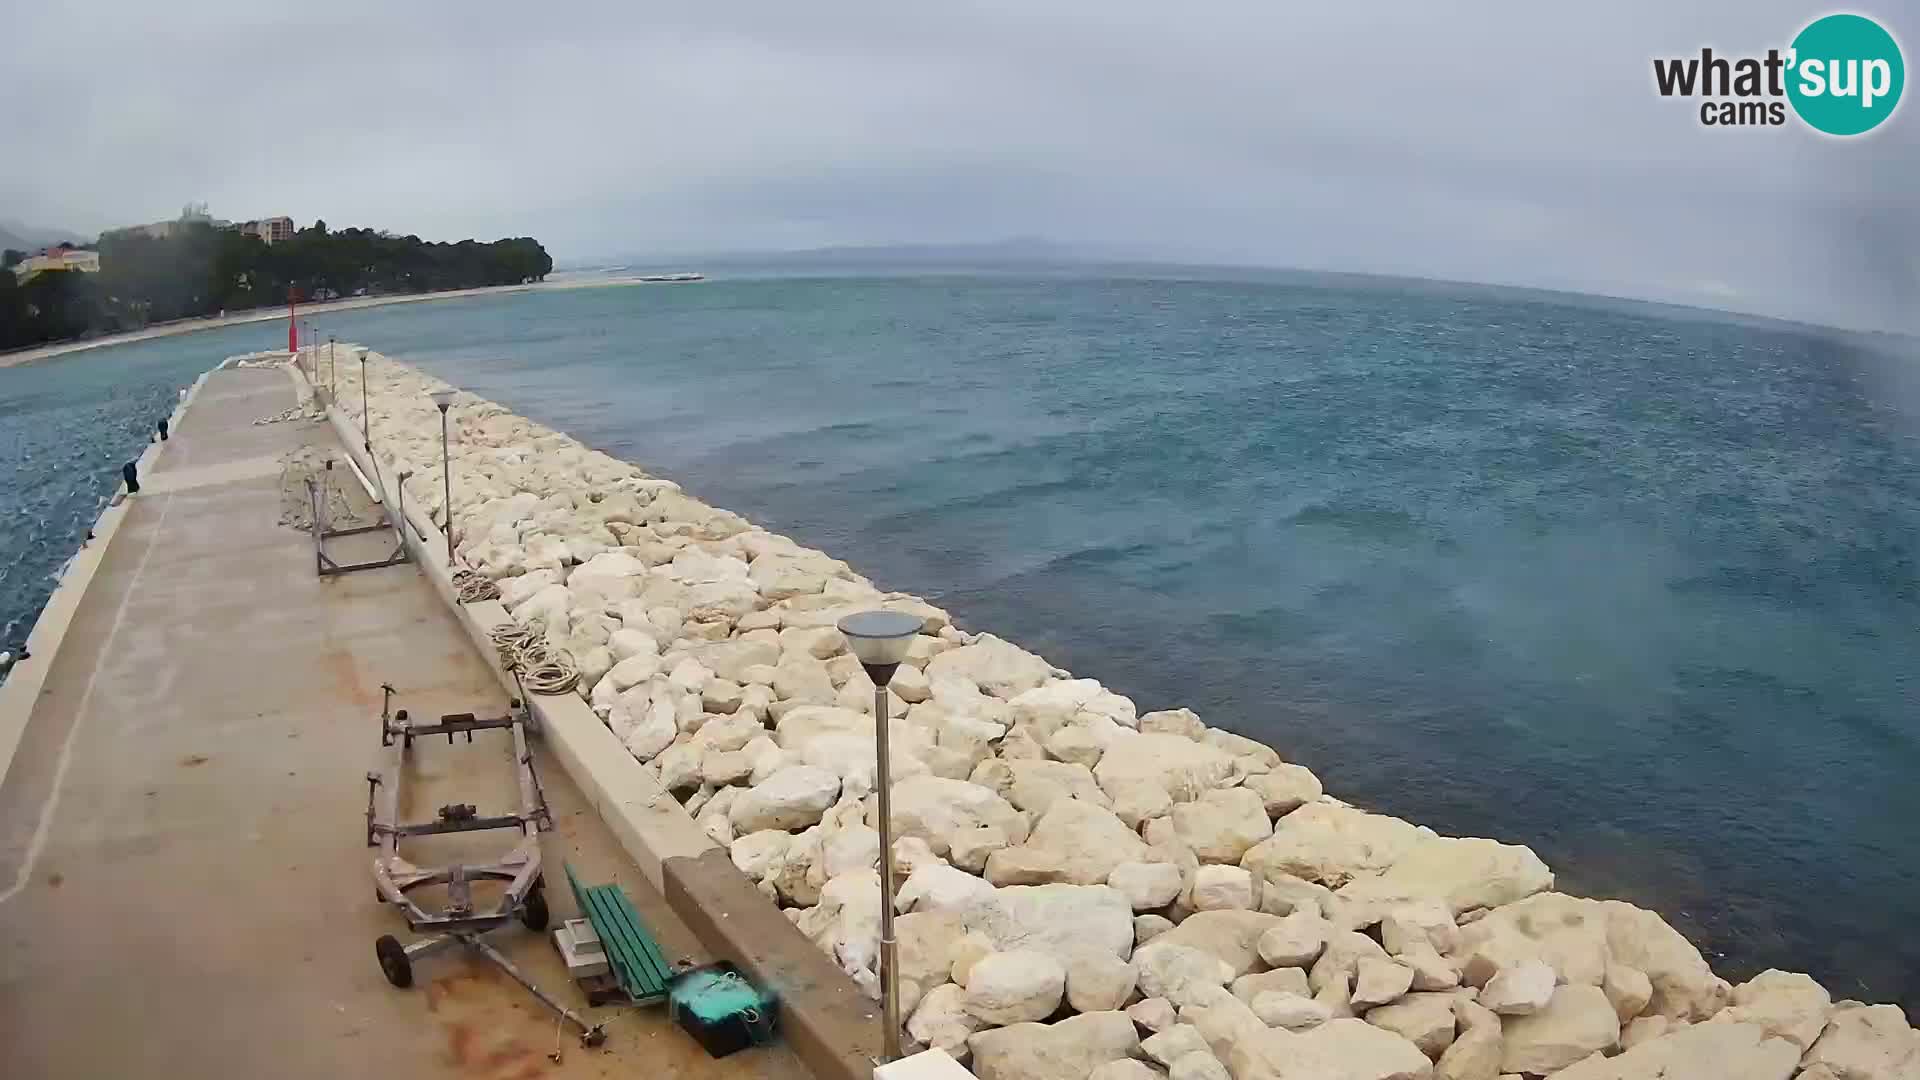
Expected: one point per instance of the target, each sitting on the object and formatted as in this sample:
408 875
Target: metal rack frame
325 564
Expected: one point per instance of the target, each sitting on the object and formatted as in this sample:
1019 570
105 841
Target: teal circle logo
1845 74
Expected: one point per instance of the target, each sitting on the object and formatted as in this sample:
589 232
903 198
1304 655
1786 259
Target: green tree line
200 270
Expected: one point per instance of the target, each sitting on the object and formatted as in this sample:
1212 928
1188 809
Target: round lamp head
880 637
442 398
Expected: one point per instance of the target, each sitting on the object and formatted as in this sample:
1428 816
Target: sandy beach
189 326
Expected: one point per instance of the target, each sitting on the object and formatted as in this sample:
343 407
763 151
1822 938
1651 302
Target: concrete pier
184 886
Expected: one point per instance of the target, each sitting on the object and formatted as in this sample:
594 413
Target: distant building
271 230
158 230
57 258
191 214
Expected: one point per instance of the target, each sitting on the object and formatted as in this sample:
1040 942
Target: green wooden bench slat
644 951
641 969
623 942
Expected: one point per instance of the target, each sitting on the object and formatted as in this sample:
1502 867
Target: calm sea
1633 585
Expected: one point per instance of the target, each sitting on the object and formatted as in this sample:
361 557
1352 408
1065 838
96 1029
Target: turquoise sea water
1633 585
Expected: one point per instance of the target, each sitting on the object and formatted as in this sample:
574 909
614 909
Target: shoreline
687 622
259 315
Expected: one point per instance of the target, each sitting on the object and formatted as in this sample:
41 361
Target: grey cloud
1504 141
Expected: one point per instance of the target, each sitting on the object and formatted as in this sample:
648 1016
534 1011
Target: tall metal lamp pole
442 400
332 389
879 640
366 417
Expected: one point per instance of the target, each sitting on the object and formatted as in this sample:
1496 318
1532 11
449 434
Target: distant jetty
669 279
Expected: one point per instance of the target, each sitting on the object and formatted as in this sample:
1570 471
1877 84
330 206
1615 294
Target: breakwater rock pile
1089 889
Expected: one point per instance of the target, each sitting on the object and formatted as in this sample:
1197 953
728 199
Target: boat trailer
460 922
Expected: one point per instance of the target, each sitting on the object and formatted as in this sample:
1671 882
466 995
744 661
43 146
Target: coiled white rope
542 670
298 412
472 587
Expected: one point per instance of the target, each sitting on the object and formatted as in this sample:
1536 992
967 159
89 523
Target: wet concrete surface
184 881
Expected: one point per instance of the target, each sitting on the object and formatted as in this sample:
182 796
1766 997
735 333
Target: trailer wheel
533 915
393 961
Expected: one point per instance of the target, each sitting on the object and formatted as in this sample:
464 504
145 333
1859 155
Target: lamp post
879 640
366 417
443 400
332 389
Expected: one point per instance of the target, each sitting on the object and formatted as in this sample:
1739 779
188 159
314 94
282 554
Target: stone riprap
1082 884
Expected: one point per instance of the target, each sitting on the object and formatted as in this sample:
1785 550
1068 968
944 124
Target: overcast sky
1517 142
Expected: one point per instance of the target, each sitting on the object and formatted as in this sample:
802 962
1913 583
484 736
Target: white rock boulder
1054 919
1146 885
1153 1014
997 667
1034 786
1098 981
1785 1005
1277 981
1462 873
1630 991
1476 1048
937 809
846 924
1331 845
1176 972
1293 1012
1222 888
1230 935
1295 941
1220 825
939 888
1180 767
1867 1042
1577 1022
1198 1065
792 798
1379 982
942 1020
1425 1020
755 853
1073 1047
1021 986
1075 842
1284 788
1520 990
1176 1042
1336 1050
1719 1050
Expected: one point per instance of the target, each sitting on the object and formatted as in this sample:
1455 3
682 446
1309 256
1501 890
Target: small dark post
132 476
163 430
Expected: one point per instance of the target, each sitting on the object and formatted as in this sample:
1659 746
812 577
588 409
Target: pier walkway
184 887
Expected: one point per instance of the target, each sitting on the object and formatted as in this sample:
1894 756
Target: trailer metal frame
460 922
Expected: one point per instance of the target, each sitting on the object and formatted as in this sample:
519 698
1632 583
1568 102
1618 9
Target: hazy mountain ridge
24 237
